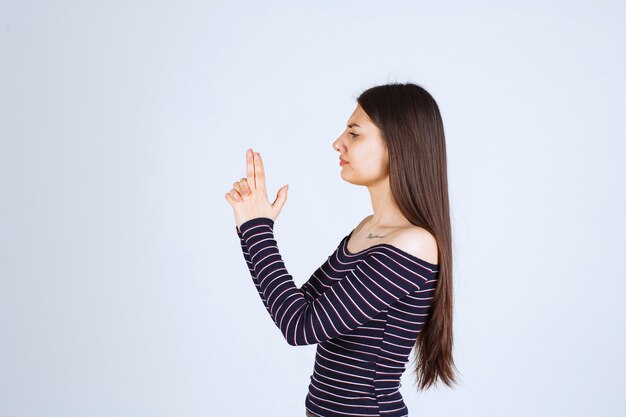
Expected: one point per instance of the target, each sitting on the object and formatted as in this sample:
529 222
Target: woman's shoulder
362 222
411 239
418 242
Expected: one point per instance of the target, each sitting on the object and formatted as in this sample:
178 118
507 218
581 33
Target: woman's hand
248 197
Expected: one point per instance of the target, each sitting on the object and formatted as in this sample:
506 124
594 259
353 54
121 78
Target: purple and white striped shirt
364 311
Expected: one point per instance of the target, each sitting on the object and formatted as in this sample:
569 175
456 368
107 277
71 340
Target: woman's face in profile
363 147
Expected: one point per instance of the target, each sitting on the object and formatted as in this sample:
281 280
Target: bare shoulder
365 219
418 242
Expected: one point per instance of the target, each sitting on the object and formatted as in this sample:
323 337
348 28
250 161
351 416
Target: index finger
259 172
250 169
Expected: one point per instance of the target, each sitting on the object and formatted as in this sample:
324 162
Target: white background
123 288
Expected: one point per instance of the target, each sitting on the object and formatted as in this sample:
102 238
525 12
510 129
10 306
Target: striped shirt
364 311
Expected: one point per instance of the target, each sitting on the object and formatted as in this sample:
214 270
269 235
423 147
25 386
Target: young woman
387 287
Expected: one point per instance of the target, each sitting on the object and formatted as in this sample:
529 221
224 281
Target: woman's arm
246 255
373 285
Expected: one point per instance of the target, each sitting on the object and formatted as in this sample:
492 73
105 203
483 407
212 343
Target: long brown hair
410 123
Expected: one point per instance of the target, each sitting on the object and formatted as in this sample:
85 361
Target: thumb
281 198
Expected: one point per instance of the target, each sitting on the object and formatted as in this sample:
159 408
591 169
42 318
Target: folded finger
235 194
243 187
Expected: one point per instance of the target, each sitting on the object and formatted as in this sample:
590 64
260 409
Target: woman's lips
342 162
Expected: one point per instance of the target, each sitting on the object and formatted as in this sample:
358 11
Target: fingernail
256 155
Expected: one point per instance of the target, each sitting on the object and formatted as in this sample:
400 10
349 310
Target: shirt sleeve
246 256
304 289
375 283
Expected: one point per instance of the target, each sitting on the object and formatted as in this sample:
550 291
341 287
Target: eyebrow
353 124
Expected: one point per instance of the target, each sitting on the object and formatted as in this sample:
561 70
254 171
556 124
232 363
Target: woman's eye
353 134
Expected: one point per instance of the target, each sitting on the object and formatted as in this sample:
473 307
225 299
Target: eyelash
353 134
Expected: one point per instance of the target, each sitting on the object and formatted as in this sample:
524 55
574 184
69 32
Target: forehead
358 119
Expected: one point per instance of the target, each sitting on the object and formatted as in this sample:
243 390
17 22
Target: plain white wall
123 289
